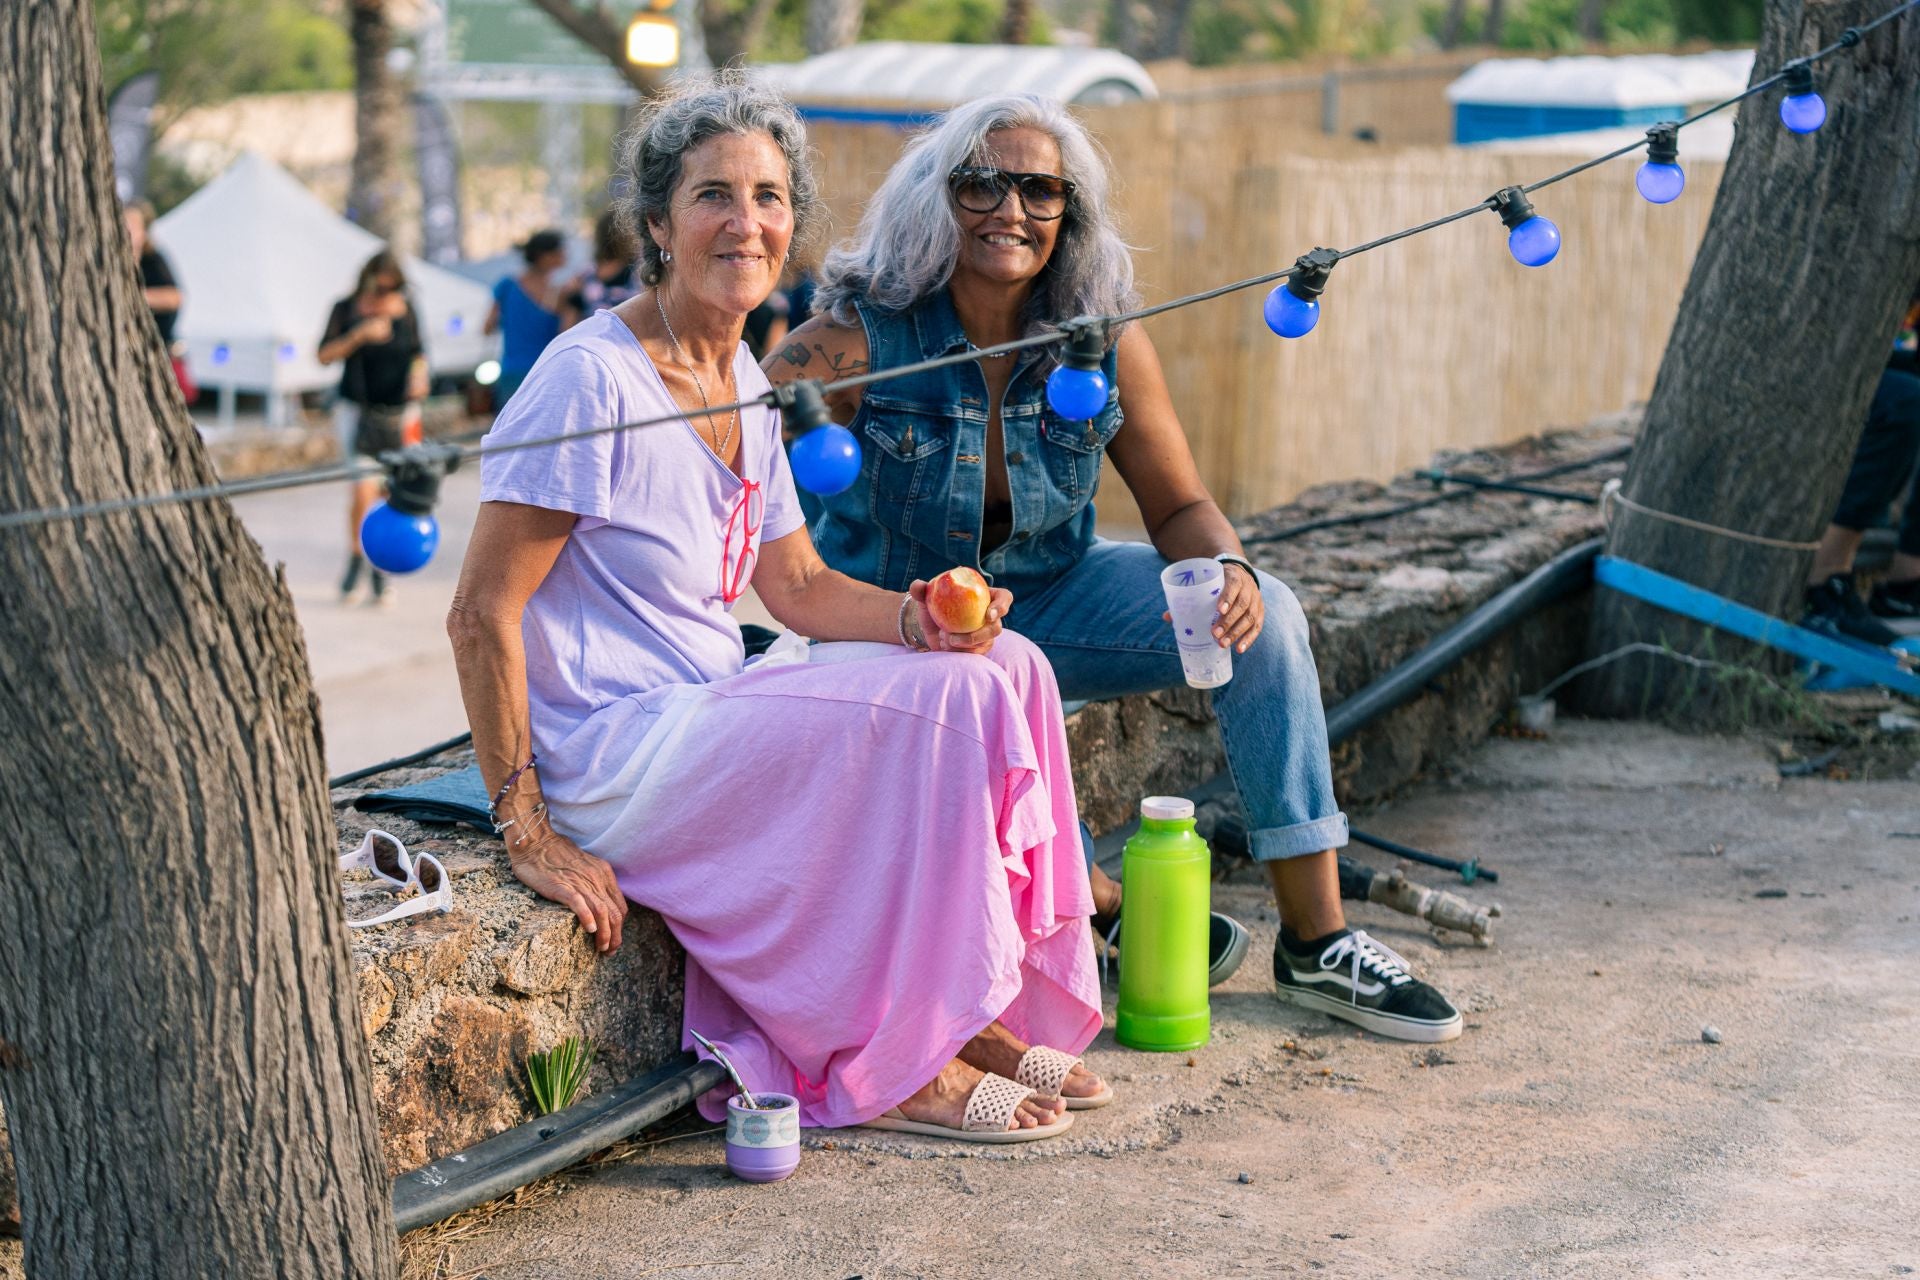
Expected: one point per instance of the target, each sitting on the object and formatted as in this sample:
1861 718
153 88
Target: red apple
958 600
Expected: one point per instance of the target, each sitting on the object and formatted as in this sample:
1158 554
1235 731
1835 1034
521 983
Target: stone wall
453 1004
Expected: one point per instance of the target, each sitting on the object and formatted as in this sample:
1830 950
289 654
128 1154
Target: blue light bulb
1534 243
1290 315
396 542
1803 112
1660 183
1077 394
825 460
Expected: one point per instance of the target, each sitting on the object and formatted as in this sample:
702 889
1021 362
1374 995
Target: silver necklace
733 416
985 354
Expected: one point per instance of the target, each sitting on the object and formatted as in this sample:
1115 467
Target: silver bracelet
906 602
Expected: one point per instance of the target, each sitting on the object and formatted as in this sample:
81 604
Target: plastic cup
1193 598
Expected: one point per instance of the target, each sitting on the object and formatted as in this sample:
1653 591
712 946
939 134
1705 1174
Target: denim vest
916 509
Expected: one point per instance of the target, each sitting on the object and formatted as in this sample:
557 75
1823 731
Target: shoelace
1361 951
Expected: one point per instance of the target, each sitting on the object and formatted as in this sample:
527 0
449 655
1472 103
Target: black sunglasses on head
980 189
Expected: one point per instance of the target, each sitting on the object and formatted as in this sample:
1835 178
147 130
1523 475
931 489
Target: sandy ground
1652 883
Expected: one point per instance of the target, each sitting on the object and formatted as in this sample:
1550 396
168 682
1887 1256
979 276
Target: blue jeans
1099 625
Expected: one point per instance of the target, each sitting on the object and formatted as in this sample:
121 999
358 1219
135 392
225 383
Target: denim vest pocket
1074 449
910 473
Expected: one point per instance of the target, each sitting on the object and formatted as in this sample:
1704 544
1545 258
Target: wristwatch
1227 557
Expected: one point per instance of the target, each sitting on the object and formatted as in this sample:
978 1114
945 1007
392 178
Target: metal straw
732 1075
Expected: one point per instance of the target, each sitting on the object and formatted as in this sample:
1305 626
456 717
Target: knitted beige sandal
1045 1070
990 1109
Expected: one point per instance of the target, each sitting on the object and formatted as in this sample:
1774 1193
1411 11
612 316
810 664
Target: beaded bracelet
493 805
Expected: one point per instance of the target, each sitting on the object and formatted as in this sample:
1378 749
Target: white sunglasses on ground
388 860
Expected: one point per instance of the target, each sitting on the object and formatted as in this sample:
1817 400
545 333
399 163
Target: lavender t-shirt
636 599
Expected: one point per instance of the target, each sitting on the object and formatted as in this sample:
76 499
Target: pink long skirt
868 856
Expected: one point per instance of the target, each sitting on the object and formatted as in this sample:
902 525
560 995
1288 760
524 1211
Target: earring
666 255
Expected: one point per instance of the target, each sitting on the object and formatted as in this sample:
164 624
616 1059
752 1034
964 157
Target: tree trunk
833 24
1455 26
181 1058
1169 28
1496 26
1016 24
1591 21
597 29
733 31
1808 261
379 119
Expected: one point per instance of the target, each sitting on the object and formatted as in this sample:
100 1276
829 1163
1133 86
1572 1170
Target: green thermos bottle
1168 875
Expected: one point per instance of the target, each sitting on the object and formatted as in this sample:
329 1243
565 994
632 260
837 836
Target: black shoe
352 578
1835 608
1352 976
1897 605
1227 941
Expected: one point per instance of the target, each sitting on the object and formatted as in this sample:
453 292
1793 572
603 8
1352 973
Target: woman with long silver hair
993 225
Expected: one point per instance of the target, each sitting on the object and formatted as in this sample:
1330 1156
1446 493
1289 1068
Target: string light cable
826 458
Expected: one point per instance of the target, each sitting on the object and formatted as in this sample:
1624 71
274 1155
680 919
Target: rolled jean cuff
1272 844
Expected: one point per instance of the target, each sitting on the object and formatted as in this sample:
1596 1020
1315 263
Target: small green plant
556 1076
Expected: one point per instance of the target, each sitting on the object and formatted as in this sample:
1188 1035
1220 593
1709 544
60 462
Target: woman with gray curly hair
874 951
993 225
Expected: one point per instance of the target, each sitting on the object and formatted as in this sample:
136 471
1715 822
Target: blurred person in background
1886 463
374 335
611 280
526 312
157 286
767 324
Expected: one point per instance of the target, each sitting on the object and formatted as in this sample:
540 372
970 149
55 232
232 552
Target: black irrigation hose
1421 504
400 762
1567 571
492 1168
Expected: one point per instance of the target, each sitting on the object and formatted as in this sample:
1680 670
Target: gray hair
688 114
909 236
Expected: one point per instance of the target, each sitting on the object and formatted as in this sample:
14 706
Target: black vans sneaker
1354 977
1835 608
1227 941
1897 606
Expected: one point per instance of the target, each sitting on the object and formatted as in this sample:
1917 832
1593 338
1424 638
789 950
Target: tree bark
833 24
1169 28
1496 25
1590 22
1785 326
1455 26
597 28
181 1057
379 119
734 31
1016 23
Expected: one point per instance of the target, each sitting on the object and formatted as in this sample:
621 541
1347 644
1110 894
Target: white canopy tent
936 76
261 261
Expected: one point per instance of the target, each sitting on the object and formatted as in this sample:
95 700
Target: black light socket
414 475
1663 144
1513 206
1086 343
1797 76
1310 272
802 405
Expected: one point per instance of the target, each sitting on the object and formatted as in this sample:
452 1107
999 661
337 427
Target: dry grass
427 1254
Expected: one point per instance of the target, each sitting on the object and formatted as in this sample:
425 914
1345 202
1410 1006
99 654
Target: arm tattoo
796 354
843 363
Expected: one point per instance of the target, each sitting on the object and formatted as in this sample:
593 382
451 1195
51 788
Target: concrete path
384 676
1580 1128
